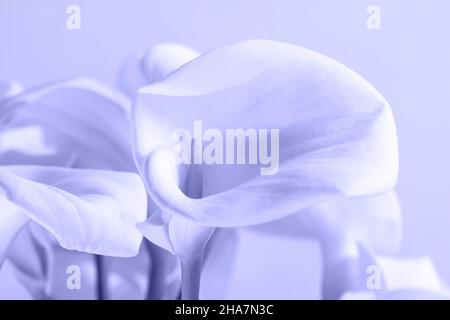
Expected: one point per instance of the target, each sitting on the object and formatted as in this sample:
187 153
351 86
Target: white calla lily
337 133
337 136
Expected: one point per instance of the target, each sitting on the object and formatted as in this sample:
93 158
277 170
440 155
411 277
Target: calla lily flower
183 239
148 67
64 124
337 132
337 137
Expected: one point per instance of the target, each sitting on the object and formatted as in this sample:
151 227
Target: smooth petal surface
178 235
86 210
220 264
76 123
372 221
337 133
152 66
410 273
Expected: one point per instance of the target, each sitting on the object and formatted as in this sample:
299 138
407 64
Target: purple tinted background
407 60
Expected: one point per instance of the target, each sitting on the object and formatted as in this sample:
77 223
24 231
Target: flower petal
410 273
86 210
69 123
405 279
153 65
337 133
373 221
9 89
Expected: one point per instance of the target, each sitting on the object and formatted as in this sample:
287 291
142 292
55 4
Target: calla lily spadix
337 136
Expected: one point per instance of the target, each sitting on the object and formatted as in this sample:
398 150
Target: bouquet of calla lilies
92 176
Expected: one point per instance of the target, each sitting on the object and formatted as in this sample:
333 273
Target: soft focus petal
28 259
152 66
373 221
410 273
86 210
12 288
9 89
337 133
404 279
69 123
156 230
126 278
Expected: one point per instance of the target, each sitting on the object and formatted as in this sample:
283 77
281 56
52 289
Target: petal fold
86 210
337 134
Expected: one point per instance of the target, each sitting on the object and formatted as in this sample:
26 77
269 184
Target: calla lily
337 135
337 132
149 67
64 124
180 237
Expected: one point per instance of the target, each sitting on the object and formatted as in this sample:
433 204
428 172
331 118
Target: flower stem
163 285
191 268
341 267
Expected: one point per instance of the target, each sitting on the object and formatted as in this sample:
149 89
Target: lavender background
407 61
